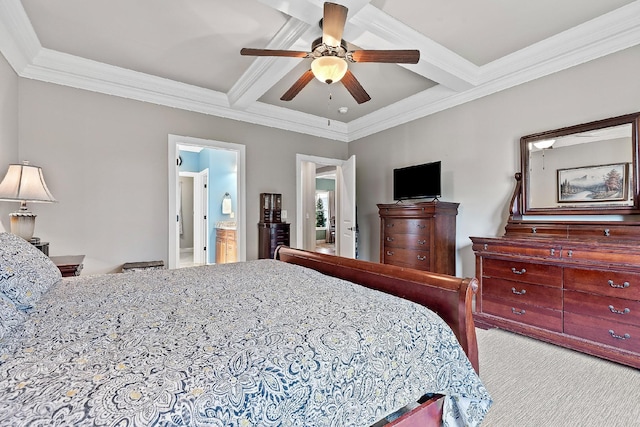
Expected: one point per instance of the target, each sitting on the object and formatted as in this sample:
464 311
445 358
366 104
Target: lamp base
23 224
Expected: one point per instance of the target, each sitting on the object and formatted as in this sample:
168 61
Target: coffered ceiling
186 53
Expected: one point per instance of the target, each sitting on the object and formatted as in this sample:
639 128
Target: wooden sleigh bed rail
450 297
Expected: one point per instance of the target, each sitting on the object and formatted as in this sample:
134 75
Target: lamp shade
24 182
329 69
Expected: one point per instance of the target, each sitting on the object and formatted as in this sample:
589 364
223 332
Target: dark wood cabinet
69 265
226 246
580 291
270 236
420 236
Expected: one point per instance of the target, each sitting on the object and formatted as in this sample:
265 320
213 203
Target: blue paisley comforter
261 343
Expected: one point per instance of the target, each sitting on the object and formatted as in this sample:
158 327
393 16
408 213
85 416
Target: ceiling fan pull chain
329 109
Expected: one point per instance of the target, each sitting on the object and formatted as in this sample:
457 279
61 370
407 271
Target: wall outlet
283 214
232 215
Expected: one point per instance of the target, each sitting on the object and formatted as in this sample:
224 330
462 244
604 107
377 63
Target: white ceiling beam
264 72
378 30
311 11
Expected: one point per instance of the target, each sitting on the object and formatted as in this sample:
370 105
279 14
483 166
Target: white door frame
241 217
300 221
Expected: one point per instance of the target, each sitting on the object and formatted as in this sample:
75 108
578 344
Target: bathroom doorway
223 178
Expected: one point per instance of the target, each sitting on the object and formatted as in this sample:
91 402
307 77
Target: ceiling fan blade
273 52
355 88
298 86
335 16
409 56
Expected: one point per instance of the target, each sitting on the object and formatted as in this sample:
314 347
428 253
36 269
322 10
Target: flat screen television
417 182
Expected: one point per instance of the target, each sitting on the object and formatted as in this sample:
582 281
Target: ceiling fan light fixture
329 69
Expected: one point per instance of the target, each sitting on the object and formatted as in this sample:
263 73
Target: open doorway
307 167
218 173
326 209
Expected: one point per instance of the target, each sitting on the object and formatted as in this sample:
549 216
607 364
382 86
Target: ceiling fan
331 57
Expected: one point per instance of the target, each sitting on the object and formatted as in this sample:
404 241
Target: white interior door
308 171
346 221
200 217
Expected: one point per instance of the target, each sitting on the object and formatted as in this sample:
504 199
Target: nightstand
43 246
69 265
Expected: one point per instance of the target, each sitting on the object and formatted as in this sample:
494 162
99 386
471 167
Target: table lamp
24 183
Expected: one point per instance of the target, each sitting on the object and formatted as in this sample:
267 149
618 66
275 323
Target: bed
283 342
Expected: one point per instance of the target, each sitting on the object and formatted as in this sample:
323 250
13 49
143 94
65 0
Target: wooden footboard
450 297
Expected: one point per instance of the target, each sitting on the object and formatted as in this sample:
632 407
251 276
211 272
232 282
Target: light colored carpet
538 384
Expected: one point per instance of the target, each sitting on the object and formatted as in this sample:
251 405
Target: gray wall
8 129
105 160
478 145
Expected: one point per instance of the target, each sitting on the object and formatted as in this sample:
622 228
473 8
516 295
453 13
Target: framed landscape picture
600 183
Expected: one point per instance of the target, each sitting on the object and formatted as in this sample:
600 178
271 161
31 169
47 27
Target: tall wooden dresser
420 236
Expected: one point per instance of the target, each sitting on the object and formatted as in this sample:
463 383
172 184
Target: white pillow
25 272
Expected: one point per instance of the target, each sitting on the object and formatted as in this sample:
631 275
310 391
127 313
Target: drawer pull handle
613 310
390 225
422 258
619 337
390 239
518 312
607 232
389 253
553 252
569 253
613 285
514 271
522 292
422 242
534 230
421 226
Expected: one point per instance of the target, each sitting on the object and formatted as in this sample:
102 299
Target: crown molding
18 41
609 33
437 63
264 72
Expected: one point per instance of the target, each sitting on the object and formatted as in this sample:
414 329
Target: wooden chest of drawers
575 293
420 236
270 236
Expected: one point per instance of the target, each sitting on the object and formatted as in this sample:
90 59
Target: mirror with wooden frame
587 169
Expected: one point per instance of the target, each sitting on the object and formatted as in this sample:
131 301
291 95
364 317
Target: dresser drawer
409 241
549 275
615 334
407 258
617 284
545 318
522 293
604 307
407 226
